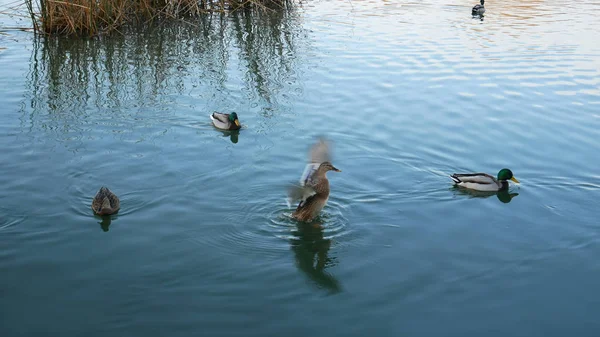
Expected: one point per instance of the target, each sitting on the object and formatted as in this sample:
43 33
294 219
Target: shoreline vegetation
96 17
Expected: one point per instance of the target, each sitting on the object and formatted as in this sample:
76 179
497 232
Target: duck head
506 174
233 118
327 166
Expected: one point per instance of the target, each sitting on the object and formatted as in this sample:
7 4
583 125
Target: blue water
407 92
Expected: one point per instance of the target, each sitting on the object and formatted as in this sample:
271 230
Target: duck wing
220 120
477 178
300 193
309 170
308 194
308 199
310 208
320 152
478 9
115 203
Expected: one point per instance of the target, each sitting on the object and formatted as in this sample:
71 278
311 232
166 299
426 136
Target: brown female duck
105 202
315 193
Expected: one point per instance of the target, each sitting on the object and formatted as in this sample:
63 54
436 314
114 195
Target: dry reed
93 17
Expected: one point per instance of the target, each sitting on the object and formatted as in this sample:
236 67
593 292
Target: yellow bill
237 122
514 179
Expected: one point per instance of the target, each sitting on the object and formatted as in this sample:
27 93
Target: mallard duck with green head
105 202
483 181
225 121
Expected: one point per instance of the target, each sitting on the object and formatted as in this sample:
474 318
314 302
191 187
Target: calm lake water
407 92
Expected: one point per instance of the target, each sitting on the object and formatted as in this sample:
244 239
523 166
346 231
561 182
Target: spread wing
309 170
300 193
320 152
307 198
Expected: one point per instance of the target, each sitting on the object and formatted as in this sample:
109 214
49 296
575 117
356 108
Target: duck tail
455 179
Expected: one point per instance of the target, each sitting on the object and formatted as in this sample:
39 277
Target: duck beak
336 169
237 122
514 179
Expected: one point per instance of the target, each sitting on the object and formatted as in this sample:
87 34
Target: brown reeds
93 17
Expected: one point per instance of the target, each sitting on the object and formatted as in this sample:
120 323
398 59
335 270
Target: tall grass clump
92 17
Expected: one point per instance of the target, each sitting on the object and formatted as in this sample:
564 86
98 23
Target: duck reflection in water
311 252
105 221
503 195
233 135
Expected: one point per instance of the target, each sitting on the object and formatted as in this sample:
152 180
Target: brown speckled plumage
105 202
317 188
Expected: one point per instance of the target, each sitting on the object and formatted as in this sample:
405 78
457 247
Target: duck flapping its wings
320 152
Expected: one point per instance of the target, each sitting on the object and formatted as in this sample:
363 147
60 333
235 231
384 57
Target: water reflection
233 135
521 15
504 196
478 17
269 48
105 221
125 78
311 250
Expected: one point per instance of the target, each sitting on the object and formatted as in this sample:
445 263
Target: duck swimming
225 121
478 9
483 181
105 202
315 193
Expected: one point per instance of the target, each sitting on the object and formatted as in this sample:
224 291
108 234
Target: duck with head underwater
225 121
483 181
478 9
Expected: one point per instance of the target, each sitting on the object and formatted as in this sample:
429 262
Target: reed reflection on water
146 67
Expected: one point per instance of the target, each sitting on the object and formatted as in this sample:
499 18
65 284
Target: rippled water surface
407 92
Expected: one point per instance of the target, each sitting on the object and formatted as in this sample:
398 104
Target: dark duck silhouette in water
478 10
313 191
311 254
105 202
